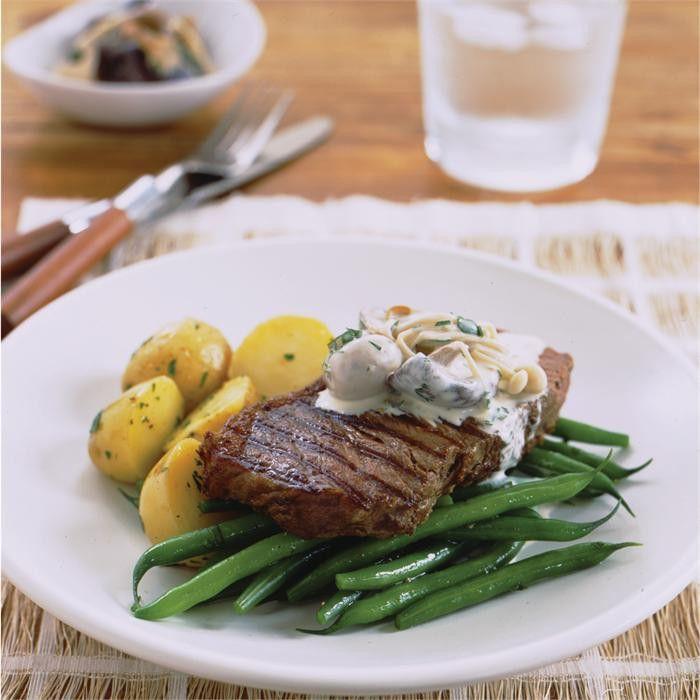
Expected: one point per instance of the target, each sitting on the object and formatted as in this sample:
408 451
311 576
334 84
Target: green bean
221 505
270 580
613 469
509 528
336 605
560 464
392 600
232 533
386 574
208 583
540 473
441 520
526 572
443 501
462 493
582 432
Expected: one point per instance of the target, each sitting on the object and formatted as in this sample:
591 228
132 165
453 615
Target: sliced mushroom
376 321
426 379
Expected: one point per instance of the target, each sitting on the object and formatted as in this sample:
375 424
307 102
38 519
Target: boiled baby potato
193 353
211 415
171 494
127 437
283 354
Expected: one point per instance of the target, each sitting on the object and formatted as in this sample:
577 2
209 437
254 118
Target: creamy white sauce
501 414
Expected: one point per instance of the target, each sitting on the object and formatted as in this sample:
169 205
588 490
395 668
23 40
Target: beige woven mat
645 257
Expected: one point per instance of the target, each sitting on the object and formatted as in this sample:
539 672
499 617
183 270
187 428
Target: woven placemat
645 257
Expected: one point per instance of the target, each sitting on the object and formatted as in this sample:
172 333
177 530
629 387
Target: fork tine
208 147
247 119
247 146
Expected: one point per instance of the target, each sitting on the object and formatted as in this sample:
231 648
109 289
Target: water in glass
516 93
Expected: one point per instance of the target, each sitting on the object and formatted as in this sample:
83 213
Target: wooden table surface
358 62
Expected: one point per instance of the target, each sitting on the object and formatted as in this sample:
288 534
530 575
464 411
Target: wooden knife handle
62 267
20 252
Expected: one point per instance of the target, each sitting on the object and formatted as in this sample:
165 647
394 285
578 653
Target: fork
231 148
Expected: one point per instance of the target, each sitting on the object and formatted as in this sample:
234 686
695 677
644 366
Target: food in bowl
137 44
400 481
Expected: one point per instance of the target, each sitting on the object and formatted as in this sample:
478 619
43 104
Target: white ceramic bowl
234 32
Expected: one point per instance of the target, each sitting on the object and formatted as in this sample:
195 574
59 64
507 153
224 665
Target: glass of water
516 93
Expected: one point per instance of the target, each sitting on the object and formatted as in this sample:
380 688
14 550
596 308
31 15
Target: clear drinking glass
516 93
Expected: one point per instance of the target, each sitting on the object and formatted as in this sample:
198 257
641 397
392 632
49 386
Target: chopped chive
289 356
344 338
375 345
172 367
108 454
203 378
446 322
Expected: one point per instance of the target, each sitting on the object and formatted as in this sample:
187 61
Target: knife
147 198
20 252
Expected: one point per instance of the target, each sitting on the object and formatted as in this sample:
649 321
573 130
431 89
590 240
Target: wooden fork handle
20 252
62 267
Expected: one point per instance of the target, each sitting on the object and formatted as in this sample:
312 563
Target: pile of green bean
460 556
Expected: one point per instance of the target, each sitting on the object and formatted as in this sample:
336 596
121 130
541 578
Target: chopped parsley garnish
172 367
375 345
289 356
96 423
343 339
446 322
466 325
108 454
203 378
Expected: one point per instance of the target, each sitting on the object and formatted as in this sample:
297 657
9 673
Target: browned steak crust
324 474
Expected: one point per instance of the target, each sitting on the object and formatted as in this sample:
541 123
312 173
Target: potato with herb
171 494
211 415
282 354
127 437
192 353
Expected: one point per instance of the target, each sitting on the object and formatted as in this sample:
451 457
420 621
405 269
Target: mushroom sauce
438 367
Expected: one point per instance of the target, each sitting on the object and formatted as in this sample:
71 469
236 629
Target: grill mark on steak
364 449
299 469
323 448
324 474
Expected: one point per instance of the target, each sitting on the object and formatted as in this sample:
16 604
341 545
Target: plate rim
431 675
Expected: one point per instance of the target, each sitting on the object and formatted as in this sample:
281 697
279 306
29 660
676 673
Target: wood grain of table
358 62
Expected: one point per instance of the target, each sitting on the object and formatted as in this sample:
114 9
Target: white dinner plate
70 539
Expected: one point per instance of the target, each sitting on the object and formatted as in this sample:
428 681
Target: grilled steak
324 474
